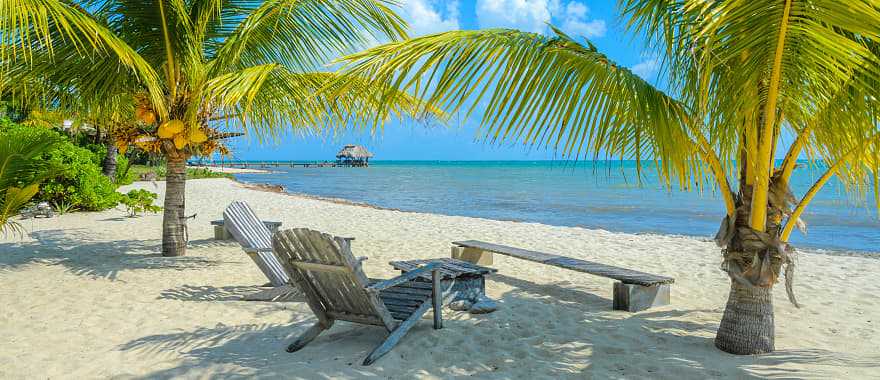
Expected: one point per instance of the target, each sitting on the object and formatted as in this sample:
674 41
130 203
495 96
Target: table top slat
449 269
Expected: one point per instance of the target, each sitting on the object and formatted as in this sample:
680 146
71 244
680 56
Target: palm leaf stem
758 219
169 66
802 205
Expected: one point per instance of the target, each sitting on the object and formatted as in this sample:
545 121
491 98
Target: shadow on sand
663 343
82 254
557 330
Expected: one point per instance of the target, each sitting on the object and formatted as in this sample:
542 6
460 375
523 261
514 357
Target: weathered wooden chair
336 288
256 240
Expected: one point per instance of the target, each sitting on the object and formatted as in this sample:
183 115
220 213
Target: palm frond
32 29
546 91
720 56
302 35
266 97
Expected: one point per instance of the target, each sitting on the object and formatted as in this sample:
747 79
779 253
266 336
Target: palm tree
192 66
740 73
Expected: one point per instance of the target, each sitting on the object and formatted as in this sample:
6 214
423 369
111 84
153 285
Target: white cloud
425 17
533 16
526 15
575 22
647 69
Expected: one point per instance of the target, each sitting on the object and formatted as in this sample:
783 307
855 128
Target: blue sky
597 20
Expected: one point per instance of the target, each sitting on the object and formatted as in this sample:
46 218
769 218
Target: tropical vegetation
22 169
738 75
139 201
76 181
168 75
159 170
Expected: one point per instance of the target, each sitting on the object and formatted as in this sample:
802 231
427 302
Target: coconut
180 141
171 127
175 126
148 117
164 132
197 136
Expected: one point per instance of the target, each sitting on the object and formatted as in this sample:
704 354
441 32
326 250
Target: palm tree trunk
174 220
754 261
109 163
747 325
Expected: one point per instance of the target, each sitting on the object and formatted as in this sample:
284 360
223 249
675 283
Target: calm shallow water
587 194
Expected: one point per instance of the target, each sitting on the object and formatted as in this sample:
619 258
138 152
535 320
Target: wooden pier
271 164
350 156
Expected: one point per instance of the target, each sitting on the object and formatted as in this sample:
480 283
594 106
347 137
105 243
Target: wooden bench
222 233
634 291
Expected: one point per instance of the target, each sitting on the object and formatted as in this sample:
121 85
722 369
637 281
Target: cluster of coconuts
176 131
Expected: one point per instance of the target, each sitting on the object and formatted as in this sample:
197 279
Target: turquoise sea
590 194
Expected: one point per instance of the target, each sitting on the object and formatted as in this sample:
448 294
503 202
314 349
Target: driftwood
336 288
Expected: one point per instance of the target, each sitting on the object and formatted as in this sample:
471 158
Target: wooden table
461 278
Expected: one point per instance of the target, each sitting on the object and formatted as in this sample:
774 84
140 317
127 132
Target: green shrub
98 150
79 184
124 175
139 201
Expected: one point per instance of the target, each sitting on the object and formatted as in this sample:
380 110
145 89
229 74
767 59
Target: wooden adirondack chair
256 240
336 288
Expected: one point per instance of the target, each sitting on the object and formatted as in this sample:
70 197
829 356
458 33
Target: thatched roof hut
354 155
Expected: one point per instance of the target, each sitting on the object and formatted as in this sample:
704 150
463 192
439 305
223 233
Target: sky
597 20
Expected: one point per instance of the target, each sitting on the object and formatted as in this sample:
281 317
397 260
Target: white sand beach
86 295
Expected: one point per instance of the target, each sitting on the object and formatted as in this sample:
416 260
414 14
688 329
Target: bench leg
472 255
633 298
221 233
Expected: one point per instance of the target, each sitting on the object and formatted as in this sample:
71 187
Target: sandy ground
86 295
230 170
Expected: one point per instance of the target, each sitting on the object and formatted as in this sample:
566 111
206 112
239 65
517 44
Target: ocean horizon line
646 161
